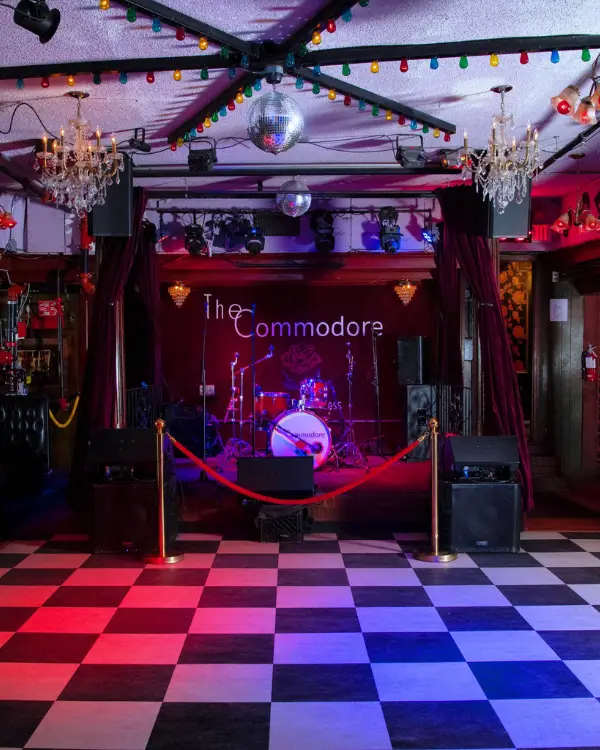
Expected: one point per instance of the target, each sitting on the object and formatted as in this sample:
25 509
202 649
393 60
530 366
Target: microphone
271 350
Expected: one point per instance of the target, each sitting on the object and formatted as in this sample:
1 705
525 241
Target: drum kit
296 427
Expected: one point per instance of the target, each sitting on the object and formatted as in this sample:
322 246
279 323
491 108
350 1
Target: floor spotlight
389 234
195 243
321 222
36 16
254 241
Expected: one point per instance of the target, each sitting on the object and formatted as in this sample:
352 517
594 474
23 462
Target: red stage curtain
504 414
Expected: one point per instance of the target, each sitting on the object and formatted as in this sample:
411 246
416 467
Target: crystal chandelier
76 171
504 170
405 291
179 293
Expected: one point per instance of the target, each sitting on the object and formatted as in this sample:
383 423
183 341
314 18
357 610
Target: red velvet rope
305 501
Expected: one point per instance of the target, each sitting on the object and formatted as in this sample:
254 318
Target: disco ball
293 198
275 122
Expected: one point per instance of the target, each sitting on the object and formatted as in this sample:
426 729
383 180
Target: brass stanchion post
434 554
163 557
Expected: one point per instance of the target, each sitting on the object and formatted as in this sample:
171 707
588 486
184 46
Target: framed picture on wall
515 297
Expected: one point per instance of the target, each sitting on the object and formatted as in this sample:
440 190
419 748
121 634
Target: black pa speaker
115 217
290 478
412 360
514 222
126 447
476 450
483 517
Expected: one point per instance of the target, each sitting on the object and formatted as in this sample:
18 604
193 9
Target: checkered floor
333 644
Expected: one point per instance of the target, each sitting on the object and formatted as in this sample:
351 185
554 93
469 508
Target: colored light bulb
193 133
207 123
362 105
363 3
414 125
347 16
150 77
585 55
347 100
223 111
131 14
290 60
204 74
97 79
156 25
303 50
173 146
186 137
257 86
179 142
447 137
245 61
524 58
554 57
180 34
316 38
231 73
389 115
215 117
317 70
20 83
374 67
203 43
346 69
224 52
375 110
404 65
70 80
401 120
299 83
199 128
248 92
316 88
45 82
122 77
331 27
494 60
177 75
104 4
436 132
331 95
434 63
425 129
231 105
463 62
239 97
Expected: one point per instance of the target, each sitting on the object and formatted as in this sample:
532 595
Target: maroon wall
296 356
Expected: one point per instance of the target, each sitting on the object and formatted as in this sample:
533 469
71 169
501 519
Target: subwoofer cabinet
480 516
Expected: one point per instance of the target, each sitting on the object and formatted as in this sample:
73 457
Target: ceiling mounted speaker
36 16
275 122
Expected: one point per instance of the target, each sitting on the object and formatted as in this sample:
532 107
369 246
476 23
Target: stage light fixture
195 243
450 159
389 234
36 16
138 142
254 241
202 155
411 157
321 223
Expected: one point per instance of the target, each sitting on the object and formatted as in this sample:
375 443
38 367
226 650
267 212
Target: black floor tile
147 620
452 577
8 560
528 596
237 596
504 560
444 725
55 648
11 618
482 618
172 577
317 620
577 575
318 546
113 561
310 577
118 682
390 596
393 560
573 645
227 649
35 576
211 726
411 647
323 682
550 545
202 547
57 547
581 534
528 680
245 561
87 596
19 720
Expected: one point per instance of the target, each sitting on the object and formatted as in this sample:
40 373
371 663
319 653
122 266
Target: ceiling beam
582 137
470 48
193 26
303 35
383 102
197 194
285 170
207 109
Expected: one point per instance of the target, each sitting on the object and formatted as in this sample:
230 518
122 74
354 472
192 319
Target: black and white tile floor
333 644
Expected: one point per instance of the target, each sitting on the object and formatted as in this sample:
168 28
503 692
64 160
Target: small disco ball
275 122
293 198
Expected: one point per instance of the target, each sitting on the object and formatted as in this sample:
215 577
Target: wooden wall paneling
540 354
589 429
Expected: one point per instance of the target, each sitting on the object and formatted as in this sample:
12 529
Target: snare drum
267 406
315 394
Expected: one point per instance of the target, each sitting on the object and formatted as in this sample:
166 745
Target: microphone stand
376 441
203 476
348 449
253 365
235 446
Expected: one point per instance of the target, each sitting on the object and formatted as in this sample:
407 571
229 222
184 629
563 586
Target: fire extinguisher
589 364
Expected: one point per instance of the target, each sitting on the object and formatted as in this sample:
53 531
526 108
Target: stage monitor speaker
115 217
474 450
289 478
480 517
411 360
514 222
125 447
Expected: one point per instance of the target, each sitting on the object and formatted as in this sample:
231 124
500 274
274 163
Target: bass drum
301 433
